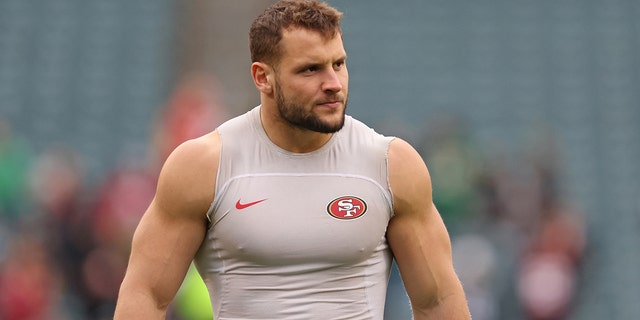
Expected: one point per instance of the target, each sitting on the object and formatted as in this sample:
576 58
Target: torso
298 236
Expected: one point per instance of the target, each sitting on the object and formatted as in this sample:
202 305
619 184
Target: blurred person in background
15 163
30 283
538 239
59 216
294 210
547 278
116 208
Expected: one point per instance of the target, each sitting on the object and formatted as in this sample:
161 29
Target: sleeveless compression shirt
298 236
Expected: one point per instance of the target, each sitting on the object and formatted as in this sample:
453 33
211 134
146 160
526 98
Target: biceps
421 247
162 250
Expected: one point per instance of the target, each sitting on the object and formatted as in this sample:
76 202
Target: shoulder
194 155
404 159
408 176
187 179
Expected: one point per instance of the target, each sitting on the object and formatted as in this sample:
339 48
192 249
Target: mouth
334 103
331 104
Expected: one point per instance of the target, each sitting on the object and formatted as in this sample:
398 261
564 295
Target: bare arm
170 232
420 241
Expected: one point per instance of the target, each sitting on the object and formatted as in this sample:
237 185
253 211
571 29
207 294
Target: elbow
140 303
426 303
451 307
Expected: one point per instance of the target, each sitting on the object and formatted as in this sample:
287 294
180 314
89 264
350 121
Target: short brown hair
266 30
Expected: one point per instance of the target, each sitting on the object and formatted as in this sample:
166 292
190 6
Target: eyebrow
305 65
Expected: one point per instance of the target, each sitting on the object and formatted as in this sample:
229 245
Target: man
294 210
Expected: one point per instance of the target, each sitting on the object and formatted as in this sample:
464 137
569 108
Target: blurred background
526 113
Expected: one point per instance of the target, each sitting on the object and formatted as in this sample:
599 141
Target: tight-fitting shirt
298 235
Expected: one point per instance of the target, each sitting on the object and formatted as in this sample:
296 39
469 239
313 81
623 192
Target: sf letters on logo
348 207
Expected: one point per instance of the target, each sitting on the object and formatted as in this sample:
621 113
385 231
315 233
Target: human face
311 83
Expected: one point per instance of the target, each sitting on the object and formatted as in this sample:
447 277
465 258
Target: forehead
302 45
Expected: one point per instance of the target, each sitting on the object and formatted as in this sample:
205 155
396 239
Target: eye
310 69
338 64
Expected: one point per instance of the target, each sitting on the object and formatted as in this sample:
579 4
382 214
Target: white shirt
298 236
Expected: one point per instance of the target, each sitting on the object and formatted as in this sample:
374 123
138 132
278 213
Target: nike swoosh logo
241 206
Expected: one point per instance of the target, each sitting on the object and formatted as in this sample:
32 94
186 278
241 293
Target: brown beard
295 115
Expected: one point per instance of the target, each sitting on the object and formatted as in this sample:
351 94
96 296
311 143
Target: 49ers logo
347 207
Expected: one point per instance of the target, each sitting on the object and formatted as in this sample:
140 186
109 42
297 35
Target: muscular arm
419 240
170 231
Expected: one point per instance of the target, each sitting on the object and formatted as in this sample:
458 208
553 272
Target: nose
332 81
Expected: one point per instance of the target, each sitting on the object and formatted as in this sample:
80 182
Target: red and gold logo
347 207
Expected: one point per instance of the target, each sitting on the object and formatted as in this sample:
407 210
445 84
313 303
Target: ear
262 75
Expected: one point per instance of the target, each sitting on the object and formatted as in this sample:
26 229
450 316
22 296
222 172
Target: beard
295 114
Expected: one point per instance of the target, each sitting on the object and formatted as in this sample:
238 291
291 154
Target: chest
278 219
